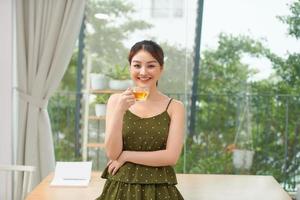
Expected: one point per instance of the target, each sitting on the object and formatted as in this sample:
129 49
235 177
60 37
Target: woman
143 138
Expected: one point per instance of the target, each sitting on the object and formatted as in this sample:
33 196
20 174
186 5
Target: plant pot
242 159
100 109
119 84
98 81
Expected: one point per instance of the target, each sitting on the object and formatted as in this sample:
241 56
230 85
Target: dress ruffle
133 173
128 191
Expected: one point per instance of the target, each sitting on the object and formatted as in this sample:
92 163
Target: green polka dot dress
141 182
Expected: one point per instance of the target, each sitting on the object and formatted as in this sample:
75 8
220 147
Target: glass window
167 8
160 9
177 9
247 97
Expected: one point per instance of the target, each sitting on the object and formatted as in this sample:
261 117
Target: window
167 8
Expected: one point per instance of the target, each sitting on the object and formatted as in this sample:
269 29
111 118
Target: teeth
144 79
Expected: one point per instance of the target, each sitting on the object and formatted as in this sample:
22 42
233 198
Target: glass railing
245 134
234 134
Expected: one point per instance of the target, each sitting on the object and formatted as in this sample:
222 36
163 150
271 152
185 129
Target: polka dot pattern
123 191
144 134
140 182
134 173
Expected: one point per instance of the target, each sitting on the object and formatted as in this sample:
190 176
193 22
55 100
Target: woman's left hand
114 165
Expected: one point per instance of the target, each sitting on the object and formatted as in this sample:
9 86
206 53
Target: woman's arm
116 107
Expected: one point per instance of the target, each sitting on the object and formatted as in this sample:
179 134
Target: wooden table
192 187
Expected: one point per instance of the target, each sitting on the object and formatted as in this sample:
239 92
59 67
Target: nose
143 70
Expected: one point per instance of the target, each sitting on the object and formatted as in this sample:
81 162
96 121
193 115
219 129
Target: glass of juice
140 93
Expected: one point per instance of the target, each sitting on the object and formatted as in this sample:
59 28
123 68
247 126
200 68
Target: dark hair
147 45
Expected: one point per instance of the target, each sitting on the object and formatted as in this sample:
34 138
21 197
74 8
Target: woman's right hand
125 100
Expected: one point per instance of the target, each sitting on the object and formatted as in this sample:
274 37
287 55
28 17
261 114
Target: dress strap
169 103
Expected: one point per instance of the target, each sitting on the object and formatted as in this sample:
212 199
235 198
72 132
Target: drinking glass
140 93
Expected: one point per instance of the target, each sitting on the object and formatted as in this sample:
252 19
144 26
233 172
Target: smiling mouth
144 78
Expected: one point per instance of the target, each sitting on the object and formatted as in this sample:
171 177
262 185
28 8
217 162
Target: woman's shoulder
172 102
176 106
176 101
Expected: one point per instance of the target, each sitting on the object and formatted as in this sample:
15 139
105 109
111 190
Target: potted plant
120 78
98 79
243 152
100 104
243 156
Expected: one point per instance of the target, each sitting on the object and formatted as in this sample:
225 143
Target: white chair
22 177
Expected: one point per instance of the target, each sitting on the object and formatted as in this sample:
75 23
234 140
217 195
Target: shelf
97 117
108 91
92 118
96 145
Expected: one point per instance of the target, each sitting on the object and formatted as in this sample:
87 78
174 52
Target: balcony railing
268 125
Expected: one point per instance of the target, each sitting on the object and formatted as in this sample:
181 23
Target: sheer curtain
46 34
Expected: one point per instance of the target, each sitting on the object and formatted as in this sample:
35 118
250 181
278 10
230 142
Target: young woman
143 138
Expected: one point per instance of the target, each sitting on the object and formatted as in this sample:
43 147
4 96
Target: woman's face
145 70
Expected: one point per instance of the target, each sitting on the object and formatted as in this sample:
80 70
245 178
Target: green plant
119 73
102 98
96 69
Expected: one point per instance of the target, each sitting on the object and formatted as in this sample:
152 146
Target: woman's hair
147 45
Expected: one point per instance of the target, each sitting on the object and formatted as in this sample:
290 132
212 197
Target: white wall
6 55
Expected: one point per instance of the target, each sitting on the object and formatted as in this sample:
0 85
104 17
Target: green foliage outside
274 107
68 82
177 69
62 116
292 20
119 72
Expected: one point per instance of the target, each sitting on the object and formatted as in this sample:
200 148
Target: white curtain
46 34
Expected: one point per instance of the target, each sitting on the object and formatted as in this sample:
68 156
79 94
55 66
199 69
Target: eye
136 66
151 66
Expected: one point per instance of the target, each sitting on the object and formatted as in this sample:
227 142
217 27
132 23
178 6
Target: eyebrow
152 61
